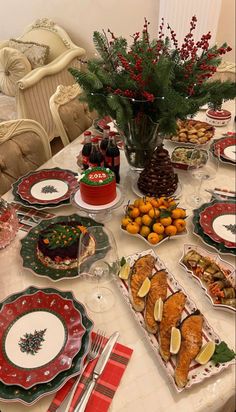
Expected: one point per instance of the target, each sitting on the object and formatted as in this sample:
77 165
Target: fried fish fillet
141 269
191 343
157 290
172 311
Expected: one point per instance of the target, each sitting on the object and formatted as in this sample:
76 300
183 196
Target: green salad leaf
222 353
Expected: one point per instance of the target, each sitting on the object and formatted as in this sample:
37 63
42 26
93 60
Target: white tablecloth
144 385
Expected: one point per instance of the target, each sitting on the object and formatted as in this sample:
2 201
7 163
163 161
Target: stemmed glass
202 171
98 261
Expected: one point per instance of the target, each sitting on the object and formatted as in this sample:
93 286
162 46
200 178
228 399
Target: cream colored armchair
34 89
24 146
71 116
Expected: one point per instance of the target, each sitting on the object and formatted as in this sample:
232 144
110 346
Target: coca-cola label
96 176
85 160
112 161
101 164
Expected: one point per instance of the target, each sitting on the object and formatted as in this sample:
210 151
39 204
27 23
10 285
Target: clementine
133 228
170 230
180 224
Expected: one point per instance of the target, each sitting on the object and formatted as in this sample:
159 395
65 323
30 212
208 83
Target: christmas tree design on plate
31 343
49 189
231 228
158 177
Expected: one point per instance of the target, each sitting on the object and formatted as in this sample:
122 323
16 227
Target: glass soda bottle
112 158
87 147
96 157
105 140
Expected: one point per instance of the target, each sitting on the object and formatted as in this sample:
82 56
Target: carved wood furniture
35 88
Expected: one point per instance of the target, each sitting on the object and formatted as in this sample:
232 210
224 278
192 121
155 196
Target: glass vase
8 223
140 138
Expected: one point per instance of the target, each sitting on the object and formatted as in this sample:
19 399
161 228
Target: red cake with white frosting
98 186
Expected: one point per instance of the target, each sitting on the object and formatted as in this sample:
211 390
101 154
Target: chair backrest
24 146
70 116
45 31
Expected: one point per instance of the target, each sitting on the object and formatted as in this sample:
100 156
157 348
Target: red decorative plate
40 334
47 186
226 148
218 221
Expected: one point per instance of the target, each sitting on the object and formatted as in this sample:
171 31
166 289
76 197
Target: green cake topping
94 176
61 235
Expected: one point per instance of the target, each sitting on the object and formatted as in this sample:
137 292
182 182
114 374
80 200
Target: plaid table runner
106 385
27 214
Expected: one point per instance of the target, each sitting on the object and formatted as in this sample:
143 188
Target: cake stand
100 212
138 192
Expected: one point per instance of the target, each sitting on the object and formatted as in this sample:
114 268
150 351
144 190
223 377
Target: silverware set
103 355
27 219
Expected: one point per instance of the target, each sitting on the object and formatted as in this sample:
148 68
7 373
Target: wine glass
202 166
98 261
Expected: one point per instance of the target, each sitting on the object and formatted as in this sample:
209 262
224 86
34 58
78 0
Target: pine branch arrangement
158 77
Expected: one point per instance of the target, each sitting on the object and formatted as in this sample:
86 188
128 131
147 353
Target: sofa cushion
7 107
13 66
36 53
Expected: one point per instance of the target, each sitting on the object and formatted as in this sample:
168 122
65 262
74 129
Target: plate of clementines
154 219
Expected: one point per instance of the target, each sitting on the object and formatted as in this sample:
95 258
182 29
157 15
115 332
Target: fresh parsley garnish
222 353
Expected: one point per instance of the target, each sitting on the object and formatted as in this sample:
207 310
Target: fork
93 354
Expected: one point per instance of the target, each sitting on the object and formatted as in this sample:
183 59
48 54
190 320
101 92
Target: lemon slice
125 271
143 291
175 340
205 353
158 310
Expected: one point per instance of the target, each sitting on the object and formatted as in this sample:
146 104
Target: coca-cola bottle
86 149
96 157
112 158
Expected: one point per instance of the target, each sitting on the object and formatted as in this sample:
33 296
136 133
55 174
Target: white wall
80 18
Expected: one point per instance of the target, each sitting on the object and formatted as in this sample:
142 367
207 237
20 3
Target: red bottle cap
95 139
112 133
106 127
87 133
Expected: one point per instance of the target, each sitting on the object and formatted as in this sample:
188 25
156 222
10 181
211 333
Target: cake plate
138 192
100 212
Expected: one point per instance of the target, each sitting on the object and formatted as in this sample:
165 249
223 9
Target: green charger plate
29 244
13 393
205 238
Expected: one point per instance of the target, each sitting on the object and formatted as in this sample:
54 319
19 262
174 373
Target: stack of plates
34 363
214 223
225 149
45 188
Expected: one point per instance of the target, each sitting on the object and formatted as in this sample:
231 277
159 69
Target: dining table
145 384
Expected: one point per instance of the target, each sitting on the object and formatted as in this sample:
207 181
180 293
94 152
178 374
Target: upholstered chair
71 116
24 146
25 88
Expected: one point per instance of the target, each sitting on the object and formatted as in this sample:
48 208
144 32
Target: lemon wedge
125 271
158 310
205 353
175 340
144 289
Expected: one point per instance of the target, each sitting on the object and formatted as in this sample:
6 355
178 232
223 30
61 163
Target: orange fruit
180 224
146 220
170 230
166 221
154 213
137 202
161 237
144 231
144 207
154 202
153 238
172 202
133 228
158 228
133 211
162 207
177 213
138 220
125 221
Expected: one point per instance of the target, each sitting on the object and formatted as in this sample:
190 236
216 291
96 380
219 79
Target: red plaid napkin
223 194
27 213
106 385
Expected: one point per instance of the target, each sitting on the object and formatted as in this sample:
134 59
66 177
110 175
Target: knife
101 363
